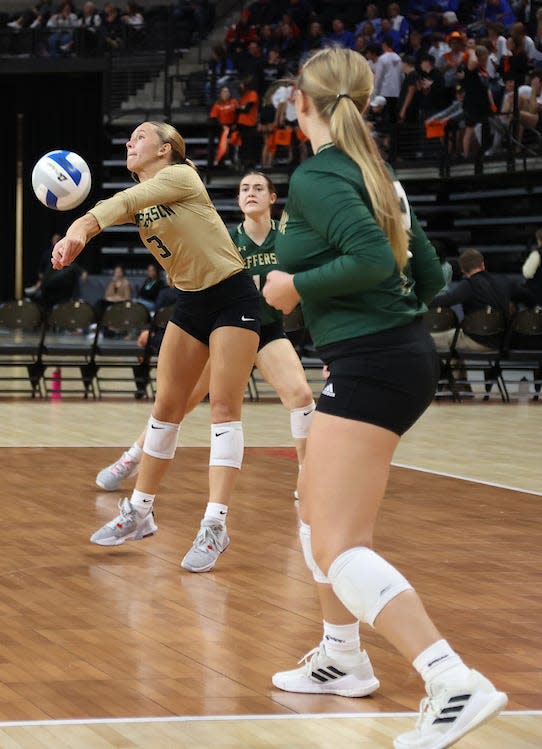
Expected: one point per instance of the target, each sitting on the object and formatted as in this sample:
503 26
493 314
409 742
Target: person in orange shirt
247 121
223 115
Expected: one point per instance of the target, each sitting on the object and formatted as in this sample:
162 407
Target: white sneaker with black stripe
320 674
452 710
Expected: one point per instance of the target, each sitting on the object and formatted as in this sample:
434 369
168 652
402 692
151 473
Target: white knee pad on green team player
305 538
300 421
161 438
227 444
365 583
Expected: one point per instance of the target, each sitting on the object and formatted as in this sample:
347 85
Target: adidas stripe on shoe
450 711
320 674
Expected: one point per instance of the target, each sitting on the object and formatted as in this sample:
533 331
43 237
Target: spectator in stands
398 22
247 123
58 286
289 44
430 87
451 65
118 289
274 69
340 37
300 12
408 112
43 266
223 118
523 52
61 26
112 28
386 32
388 77
250 64
133 19
372 17
89 24
220 70
378 120
478 103
239 35
415 46
35 18
497 11
453 120
150 288
532 271
450 22
438 47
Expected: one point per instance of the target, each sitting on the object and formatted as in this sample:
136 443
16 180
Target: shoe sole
118 541
365 691
208 567
491 710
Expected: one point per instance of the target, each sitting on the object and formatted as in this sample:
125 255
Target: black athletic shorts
271 332
387 379
233 302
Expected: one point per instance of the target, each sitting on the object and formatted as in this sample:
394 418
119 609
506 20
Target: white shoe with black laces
452 710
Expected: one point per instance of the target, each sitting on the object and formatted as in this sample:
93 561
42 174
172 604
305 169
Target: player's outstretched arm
77 236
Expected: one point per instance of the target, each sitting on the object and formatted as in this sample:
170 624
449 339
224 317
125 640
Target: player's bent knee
227 444
161 439
365 582
305 538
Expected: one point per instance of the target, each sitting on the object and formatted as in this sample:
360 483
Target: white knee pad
300 421
227 444
365 583
305 538
161 439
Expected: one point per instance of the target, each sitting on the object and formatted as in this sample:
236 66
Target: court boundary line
222 718
466 478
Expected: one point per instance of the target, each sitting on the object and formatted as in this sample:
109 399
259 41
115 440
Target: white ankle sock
342 641
439 659
142 502
135 452
217 512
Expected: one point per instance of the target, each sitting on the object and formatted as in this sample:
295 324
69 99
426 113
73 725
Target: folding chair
21 332
68 344
489 325
117 350
444 320
523 347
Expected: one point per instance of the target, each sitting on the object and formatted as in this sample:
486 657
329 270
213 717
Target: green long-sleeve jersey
343 265
259 259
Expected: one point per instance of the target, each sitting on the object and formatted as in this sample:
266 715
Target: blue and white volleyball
61 180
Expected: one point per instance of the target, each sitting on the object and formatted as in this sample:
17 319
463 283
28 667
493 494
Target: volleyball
61 180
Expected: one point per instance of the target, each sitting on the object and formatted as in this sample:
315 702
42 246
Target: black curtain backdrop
60 110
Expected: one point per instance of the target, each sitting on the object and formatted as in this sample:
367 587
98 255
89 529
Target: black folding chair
68 344
444 320
117 350
21 332
523 347
490 326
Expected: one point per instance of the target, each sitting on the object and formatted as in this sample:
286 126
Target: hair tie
343 96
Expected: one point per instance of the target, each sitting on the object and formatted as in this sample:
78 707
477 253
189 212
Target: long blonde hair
168 134
340 82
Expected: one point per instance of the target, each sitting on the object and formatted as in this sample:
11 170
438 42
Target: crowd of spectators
50 29
427 56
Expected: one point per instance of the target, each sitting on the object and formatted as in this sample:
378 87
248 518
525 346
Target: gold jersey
178 224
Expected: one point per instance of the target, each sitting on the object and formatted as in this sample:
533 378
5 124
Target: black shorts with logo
234 302
387 379
269 332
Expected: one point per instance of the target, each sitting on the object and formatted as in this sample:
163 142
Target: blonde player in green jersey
216 315
344 242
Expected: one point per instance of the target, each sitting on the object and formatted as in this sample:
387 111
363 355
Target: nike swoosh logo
306 413
153 427
247 319
147 500
219 434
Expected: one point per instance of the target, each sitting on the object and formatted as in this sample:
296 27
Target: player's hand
65 251
280 292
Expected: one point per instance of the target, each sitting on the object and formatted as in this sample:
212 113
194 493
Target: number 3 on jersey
164 252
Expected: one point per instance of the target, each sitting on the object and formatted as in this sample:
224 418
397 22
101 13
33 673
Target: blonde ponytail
340 82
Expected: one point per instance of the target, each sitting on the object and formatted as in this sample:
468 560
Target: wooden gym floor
105 648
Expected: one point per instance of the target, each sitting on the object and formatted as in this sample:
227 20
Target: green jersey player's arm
333 208
425 264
